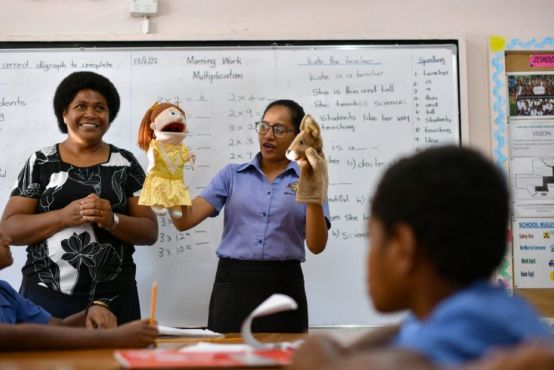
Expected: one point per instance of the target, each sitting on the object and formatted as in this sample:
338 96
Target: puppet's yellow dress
164 185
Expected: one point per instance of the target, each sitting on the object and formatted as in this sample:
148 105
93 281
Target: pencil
153 299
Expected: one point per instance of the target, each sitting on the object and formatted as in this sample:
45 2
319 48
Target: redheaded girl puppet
161 134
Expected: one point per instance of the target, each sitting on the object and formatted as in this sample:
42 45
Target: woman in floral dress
75 206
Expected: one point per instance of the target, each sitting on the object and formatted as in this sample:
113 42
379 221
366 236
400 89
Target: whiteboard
374 102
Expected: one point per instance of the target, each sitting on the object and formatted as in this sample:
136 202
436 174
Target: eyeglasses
279 130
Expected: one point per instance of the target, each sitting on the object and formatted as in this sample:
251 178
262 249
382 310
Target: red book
152 359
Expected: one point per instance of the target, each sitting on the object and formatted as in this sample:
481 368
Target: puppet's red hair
146 134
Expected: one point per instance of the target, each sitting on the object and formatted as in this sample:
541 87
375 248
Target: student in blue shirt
26 326
438 231
264 228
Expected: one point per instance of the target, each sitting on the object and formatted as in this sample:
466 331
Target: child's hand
136 334
528 356
375 339
317 352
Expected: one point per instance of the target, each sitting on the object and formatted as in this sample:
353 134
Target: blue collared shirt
471 322
262 221
15 309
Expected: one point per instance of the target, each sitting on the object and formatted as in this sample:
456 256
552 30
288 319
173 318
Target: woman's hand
21 222
99 317
98 210
71 214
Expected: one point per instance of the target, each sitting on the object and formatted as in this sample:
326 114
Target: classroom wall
476 20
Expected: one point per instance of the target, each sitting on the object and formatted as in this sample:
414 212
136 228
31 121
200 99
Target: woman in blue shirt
264 228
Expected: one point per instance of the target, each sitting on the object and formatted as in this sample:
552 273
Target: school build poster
533 252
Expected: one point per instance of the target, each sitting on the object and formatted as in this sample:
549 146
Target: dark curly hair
296 111
77 81
457 203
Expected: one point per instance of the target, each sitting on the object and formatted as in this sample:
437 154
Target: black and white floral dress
77 265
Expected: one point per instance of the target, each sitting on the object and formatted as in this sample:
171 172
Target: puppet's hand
188 156
192 160
313 182
151 158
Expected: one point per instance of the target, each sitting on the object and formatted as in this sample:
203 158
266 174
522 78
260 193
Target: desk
103 359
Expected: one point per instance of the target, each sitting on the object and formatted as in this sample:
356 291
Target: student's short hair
296 111
77 81
457 203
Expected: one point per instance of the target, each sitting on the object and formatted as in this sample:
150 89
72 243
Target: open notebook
157 359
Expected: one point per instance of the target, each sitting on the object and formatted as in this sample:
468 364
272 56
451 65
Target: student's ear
405 248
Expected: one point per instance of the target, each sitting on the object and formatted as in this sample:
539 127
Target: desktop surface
103 359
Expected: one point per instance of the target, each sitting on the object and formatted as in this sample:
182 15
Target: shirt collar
255 163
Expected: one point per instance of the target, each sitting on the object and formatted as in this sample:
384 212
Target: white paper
531 138
231 348
275 303
216 347
168 330
532 189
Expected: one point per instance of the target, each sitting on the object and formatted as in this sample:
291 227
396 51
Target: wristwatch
115 222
